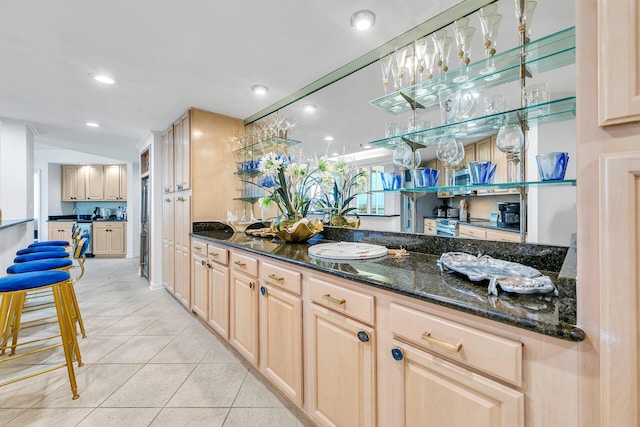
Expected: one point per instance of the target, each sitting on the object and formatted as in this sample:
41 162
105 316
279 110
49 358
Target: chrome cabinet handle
276 278
451 347
329 298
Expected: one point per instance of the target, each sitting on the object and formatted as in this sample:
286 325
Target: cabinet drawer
244 263
218 255
495 355
281 277
200 248
470 231
337 298
508 236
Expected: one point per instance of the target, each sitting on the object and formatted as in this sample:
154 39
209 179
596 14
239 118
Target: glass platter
509 276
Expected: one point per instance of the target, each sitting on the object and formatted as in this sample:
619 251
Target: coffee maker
509 215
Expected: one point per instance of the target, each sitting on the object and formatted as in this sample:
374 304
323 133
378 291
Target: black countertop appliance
509 215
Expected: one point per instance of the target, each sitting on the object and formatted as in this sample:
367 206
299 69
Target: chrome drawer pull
329 298
240 264
427 337
276 278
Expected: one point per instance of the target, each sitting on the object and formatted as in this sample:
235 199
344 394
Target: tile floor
148 362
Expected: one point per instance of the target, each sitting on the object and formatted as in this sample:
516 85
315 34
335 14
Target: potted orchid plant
342 182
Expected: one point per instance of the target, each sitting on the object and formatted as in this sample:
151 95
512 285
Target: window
373 201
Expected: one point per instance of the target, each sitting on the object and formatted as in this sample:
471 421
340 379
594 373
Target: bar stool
75 232
35 249
13 290
41 255
43 265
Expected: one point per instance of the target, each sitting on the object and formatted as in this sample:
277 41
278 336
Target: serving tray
347 250
509 276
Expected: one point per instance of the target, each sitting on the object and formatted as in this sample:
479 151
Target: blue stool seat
39 265
40 249
50 243
41 255
32 280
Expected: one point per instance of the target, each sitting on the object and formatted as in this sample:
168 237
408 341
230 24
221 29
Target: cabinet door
112 182
243 315
117 239
100 238
199 285
219 299
182 285
168 261
95 182
182 221
438 393
343 388
123 182
185 148
469 154
167 162
281 340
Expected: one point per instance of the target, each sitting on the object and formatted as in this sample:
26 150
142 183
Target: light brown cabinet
109 239
280 307
218 317
243 309
430 226
167 162
182 228
182 153
74 183
59 230
199 279
95 182
168 250
473 232
115 182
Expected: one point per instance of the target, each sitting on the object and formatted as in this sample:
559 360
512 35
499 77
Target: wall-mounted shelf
545 54
480 189
265 146
535 115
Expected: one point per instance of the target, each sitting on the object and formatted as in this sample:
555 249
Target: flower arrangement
290 183
341 182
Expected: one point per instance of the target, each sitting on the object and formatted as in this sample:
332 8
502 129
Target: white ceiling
169 55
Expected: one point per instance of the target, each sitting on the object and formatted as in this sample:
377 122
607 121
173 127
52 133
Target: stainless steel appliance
144 229
509 215
446 227
86 226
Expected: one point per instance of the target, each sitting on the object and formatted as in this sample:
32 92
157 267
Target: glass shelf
535 115
480 189
249 173
247 199
265 146
548 53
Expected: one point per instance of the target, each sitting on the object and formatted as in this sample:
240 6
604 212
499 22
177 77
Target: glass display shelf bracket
265 146
548 53
478 127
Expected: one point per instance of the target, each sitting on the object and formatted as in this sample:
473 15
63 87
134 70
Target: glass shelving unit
545 54
265 146
535 115
480 188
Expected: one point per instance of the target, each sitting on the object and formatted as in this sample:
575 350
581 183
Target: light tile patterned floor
148 362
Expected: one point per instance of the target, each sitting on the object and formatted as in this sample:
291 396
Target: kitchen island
15 234
371 342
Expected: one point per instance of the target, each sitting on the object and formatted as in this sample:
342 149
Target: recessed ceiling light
260 90
335 153
92 124
102 78
328 138
309 108
366 147
362 20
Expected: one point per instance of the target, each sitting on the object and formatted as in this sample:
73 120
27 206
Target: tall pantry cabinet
196 152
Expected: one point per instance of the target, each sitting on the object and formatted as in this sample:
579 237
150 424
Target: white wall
16 169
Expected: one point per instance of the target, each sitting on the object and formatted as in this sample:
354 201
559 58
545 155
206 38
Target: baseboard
155 286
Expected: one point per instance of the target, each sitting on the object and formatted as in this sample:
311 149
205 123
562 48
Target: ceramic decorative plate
347 250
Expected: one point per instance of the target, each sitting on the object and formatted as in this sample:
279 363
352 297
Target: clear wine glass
510 140
385 64
447 152
490 24
525 17
397 66
459 156
442 45
420 50
464 37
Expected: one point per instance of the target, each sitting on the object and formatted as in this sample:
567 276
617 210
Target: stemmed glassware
464 36
524 15
510 140
442 45
385 64
490 23
397 66
450 152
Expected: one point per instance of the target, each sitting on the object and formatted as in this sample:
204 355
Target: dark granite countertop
419 276
6 223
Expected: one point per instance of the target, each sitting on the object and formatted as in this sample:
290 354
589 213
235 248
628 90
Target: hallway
148 362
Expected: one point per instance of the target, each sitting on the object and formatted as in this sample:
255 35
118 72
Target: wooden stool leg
68 339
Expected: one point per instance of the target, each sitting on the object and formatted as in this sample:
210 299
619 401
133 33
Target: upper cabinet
182 153
74 185
94 182
167 162
115 182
